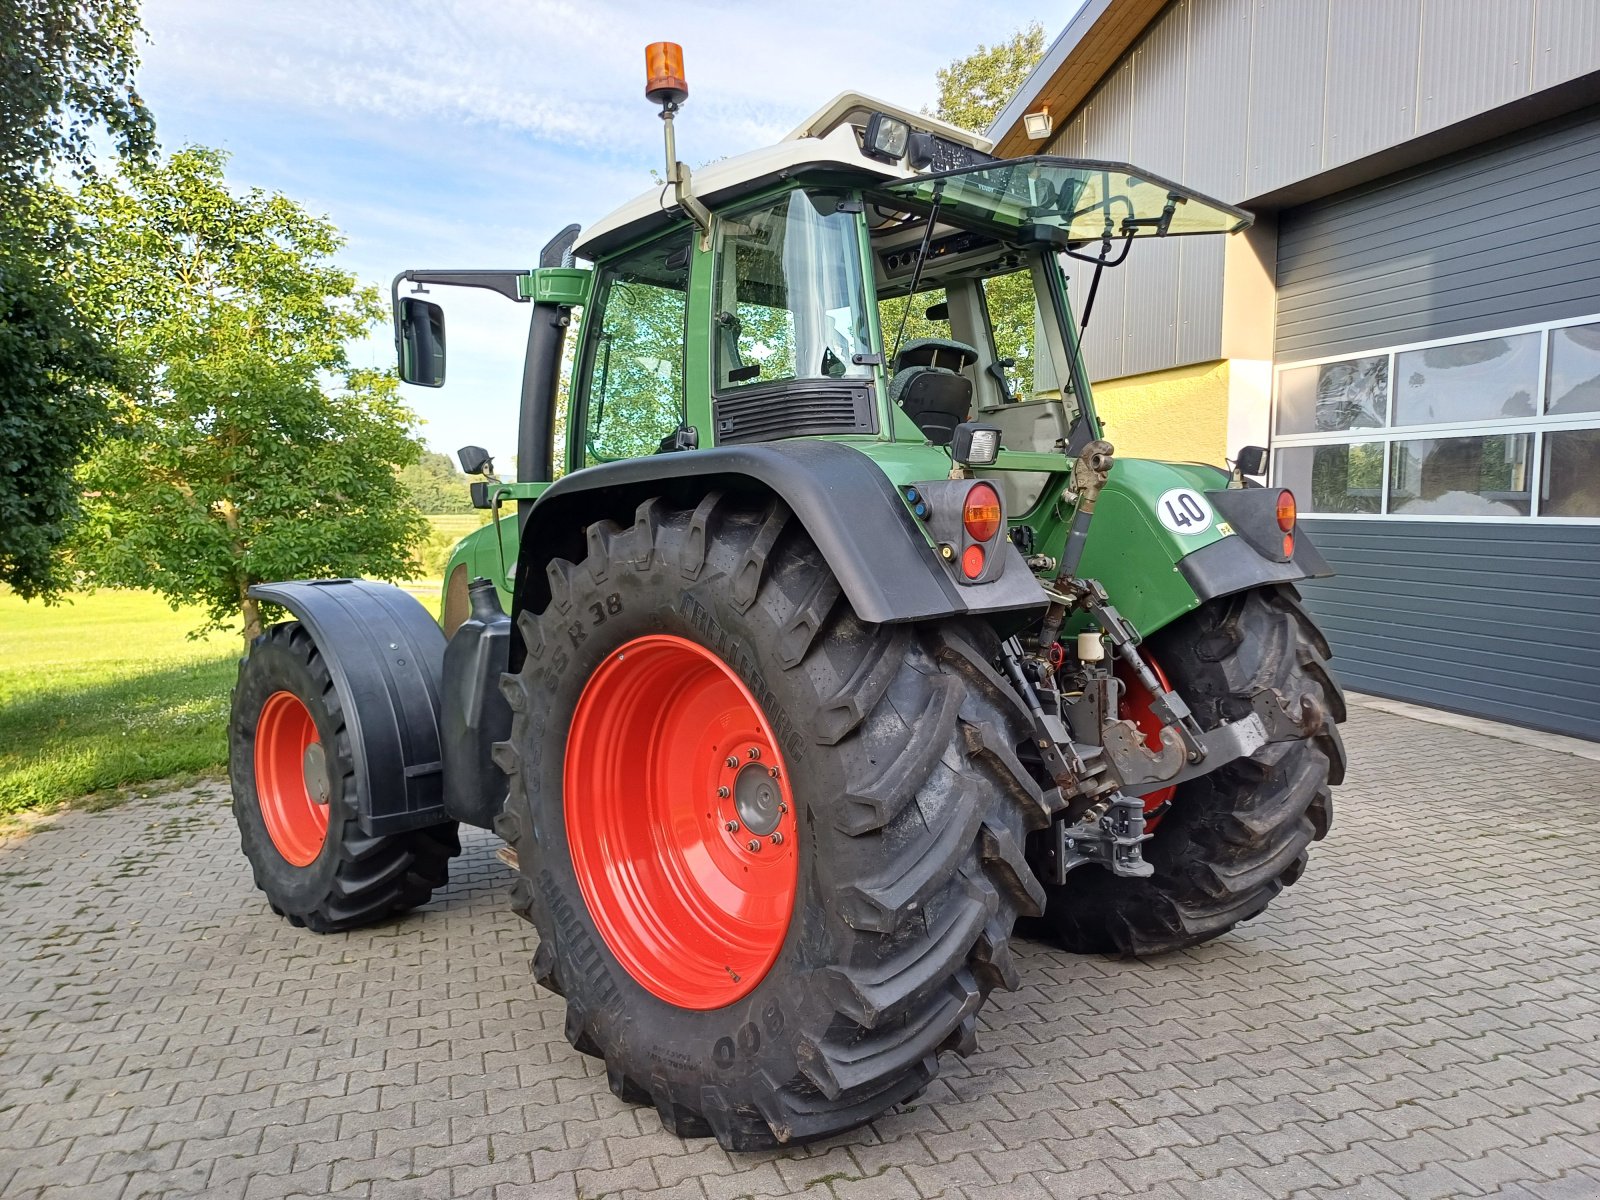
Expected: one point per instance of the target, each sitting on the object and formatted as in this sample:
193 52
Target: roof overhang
1076 61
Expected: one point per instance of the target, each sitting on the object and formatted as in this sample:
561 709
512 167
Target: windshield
790 296
1084 200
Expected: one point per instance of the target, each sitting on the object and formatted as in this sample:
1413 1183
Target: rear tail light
1286 511
972 561
1288 545
980 515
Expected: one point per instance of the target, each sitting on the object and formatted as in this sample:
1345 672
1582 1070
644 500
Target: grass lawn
104 692
107 691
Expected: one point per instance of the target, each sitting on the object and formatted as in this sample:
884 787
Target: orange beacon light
664 81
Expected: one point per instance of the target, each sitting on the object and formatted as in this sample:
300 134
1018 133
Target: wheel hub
314 767
756 797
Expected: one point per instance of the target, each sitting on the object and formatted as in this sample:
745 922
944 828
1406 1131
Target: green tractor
841 642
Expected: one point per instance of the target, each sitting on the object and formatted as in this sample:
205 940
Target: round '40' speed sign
1184 510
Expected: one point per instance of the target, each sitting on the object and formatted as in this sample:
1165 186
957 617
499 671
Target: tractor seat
935 352
935 398
928 384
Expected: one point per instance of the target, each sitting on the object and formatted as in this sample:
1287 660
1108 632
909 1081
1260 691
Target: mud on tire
1233 839
912 814
356 879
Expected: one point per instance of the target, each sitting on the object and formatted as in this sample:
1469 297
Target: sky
466 133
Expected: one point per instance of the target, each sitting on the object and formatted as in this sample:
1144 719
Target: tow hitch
1102 761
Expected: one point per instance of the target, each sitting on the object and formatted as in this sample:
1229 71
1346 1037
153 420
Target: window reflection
1575 369
1461 477
1333 479
1344 395
1571 486
1484 380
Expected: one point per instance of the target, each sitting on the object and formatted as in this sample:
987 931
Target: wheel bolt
773 771
777 838
732 761
732 827
783 806
755 752
722 793
753 846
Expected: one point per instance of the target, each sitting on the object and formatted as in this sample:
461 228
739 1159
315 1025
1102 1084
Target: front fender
386 656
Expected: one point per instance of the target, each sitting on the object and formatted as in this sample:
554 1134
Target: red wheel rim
672 774
288 772
1138 707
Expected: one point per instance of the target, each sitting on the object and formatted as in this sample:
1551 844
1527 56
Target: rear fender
386 656
886 566
1214 544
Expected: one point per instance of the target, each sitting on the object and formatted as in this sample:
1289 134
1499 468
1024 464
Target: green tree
435 486
55 376
973 89
235 462
67 67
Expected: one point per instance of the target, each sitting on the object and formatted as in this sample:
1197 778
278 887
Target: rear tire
1233 839
911 811
316 866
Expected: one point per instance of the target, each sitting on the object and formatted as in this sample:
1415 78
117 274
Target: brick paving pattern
1419 1017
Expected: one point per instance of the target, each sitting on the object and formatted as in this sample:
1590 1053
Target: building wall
1180 415
1239 98
1498 236
1501 621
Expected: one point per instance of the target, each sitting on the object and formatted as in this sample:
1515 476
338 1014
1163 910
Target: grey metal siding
1501 235
1240 98
1497 620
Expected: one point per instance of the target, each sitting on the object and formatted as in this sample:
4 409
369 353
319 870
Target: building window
1499 426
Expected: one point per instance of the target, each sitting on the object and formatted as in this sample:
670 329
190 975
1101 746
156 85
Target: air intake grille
786 410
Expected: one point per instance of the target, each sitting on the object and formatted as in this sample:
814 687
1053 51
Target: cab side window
635 395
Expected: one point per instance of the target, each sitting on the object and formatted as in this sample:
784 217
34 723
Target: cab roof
829 140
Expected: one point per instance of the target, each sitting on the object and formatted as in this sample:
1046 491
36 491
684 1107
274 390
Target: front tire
1231 840
294 798
882 919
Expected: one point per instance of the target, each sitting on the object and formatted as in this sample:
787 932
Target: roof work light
886 137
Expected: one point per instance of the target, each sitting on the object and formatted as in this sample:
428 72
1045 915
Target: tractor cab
846 287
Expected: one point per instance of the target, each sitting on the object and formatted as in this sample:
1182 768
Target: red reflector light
1286 513
972 562
1288 545
981 513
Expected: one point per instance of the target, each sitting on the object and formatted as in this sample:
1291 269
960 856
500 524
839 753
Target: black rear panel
808 408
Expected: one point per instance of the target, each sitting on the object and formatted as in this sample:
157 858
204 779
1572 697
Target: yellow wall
1181 414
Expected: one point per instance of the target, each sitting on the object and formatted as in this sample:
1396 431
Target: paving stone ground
1419 1017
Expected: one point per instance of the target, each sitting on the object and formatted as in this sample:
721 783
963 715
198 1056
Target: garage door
1437 411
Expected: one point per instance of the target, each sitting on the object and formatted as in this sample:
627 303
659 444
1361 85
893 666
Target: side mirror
475 460
1252 460
421 342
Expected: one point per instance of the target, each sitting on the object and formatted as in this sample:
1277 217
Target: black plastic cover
1253 513
475 714
386 655
1232 565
